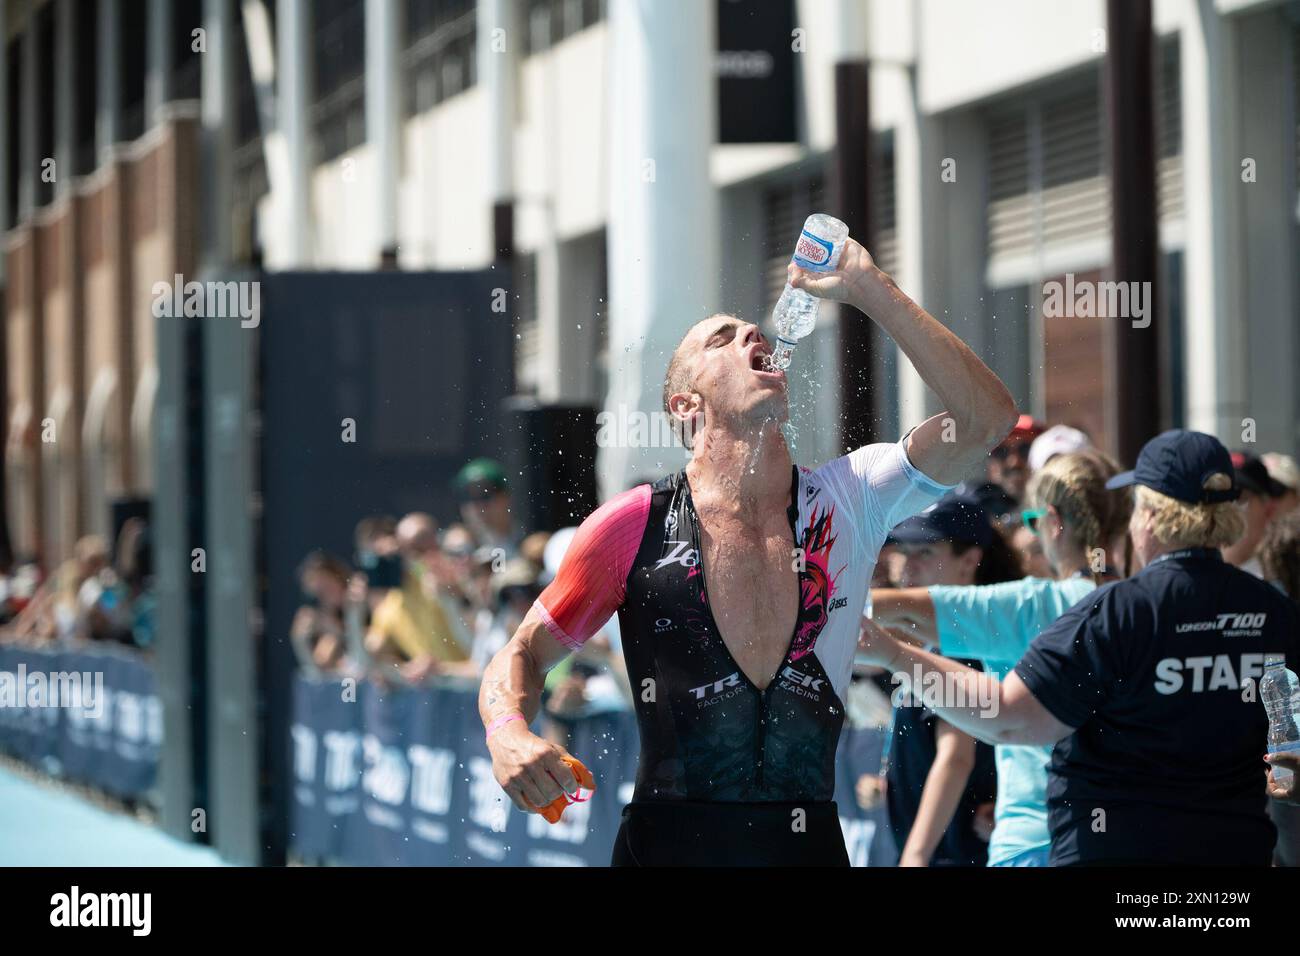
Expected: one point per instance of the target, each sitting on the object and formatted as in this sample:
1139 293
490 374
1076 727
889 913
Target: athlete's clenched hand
530 770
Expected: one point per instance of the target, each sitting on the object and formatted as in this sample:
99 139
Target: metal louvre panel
1169 133
1010 212
884 212
1076 192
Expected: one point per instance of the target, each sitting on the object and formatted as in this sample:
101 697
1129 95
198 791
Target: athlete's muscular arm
527 767
999 712
588 589
978 405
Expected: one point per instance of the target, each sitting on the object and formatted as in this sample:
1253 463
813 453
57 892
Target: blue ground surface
42 826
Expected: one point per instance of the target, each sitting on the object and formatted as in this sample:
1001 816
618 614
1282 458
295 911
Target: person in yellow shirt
410 627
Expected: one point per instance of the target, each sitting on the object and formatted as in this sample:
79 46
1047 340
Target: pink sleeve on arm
592 580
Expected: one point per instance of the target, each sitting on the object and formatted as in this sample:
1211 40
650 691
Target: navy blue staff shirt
1166 761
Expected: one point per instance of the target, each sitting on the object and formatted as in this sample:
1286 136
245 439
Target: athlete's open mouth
758 359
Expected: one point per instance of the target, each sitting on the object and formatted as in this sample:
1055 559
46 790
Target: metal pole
1133 398
851 162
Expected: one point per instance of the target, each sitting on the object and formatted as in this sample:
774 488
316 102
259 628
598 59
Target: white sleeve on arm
880 487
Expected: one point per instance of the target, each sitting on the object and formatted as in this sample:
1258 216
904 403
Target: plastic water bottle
1280 690
818 250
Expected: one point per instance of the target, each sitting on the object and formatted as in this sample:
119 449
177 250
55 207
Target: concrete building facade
394 132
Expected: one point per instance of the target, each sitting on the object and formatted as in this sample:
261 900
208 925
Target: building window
547 22
338 112
133 58
186 69
439 60
45 98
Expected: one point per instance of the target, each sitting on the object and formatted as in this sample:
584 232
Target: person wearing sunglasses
1077 522
1147 687
1008 463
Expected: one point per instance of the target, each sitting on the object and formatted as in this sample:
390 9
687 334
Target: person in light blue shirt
1079 522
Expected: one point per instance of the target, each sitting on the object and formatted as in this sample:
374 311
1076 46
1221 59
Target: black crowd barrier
104 727
403 777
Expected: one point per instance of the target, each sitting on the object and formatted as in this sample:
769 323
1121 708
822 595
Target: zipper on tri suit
760 737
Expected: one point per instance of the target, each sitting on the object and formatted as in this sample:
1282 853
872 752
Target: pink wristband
502 721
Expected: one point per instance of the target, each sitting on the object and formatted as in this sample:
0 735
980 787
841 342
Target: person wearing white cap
1283 470
1057 440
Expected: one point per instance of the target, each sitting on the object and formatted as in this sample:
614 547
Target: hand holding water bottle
850 282
1279 689
1281 777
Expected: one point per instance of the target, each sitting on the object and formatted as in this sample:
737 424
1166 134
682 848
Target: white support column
1268 253
158 71
293 40
1214 335
663 216
920 253
500 38
217 134
65 94
29 154
108 111
383 112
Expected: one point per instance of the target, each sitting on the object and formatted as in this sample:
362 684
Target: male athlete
739 584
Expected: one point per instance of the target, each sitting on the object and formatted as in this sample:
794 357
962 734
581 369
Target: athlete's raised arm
980 410
588 589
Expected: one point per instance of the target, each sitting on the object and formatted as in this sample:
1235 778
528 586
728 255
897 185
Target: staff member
1147 686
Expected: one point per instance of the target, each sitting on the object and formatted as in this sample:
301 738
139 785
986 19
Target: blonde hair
1075 485
1179 524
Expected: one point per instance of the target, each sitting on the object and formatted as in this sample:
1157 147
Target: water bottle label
812 252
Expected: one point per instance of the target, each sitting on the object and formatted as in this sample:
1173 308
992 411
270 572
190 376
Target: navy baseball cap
1177 463
951 518
1253 476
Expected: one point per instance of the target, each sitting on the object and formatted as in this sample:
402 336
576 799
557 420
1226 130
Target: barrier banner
91 716
402 777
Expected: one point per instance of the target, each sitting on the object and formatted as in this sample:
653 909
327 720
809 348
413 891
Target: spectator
1285 472
375 534
1261 495
1057 440
125 608
1140 684
937 777
1008 464
1076 517
317 634
1029 547
485 506
1279 553
409 629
